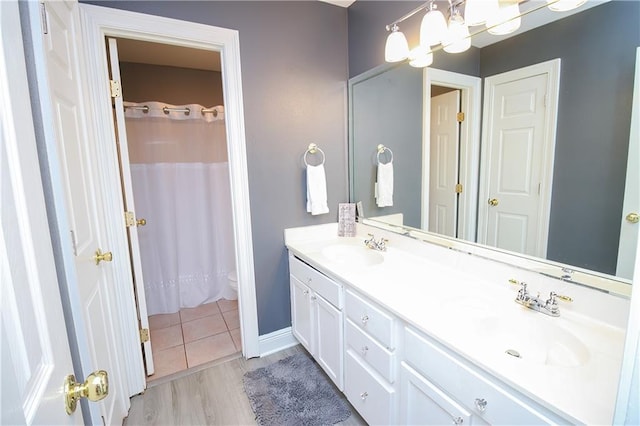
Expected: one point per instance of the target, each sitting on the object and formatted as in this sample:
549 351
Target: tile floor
194 336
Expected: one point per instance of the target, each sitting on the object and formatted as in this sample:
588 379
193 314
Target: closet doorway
174 167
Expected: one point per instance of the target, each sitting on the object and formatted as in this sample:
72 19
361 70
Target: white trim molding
100 22
277 341
470 88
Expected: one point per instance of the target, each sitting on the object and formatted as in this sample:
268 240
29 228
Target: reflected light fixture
476 12
507 18
457 39
396 48
420 57
433 28
500 17
564 5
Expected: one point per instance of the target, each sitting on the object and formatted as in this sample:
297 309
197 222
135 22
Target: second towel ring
381 149
313 149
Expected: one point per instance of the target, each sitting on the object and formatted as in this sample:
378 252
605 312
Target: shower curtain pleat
180 178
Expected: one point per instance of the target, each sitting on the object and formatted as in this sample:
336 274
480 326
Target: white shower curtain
180 177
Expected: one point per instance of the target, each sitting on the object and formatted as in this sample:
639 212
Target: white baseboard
276 341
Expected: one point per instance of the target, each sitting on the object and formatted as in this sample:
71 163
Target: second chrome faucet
548 306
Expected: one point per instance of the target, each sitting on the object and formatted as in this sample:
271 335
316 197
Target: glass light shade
457 39
433 28
564 5
420 57
476 12
506 20
396 49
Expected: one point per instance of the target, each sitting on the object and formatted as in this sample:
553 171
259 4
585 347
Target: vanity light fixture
500 17
397 48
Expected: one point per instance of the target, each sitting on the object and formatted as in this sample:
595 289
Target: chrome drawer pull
458 420
364 350
481 404
364 395
364 318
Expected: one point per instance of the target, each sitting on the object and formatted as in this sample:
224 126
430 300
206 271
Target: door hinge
144 335
460 117
116 90
43 18
129 219
459 188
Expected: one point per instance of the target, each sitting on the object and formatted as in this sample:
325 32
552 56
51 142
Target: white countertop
476 316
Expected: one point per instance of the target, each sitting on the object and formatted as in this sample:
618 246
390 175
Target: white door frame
552 69
100 22
470 88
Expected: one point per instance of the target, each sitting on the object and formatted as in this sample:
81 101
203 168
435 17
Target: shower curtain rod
167 110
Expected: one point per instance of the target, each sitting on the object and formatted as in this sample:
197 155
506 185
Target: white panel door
302 315
34 347
631 205
329 339
444 152
127 189
515 133
84 208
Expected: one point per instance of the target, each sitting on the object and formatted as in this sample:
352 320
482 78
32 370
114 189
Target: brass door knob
493 202
95 388
141 222
107 257
633 217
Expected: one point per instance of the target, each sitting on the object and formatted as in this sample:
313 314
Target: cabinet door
423 403
329 339
302 315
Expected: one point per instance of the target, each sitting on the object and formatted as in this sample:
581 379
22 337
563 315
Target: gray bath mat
294 391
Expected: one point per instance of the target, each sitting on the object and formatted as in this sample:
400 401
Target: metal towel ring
313 149
381 149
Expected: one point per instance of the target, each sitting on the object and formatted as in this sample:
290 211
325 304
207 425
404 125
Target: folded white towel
316 190
384 185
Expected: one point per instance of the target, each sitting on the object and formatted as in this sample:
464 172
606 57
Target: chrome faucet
548 307
376 245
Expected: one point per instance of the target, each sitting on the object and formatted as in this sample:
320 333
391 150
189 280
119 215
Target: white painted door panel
129 204
628 229
35 354
301 314
329 339
83 201
515 145
444 151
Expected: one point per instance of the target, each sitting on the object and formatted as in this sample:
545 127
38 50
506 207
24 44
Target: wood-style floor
208 395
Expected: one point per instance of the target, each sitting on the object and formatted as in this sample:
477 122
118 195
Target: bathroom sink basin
350 254
531 341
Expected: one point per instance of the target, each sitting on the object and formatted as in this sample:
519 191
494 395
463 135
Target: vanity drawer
502 405
374 400
370 351
370 318
316 281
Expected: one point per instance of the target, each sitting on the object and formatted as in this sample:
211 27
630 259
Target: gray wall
294 72
597 50
388 110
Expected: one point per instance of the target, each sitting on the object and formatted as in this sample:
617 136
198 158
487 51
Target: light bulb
476 12
433 27
396 49
420 57
506 20
564 5
457 39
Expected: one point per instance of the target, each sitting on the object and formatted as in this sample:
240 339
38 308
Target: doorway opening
461 194
174 168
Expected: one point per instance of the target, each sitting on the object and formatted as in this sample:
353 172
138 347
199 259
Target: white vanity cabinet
317 319
452 388
370 359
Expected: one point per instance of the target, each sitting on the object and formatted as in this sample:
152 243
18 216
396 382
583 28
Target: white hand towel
316 190
384 186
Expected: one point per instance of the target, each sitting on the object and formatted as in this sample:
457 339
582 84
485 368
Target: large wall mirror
583 171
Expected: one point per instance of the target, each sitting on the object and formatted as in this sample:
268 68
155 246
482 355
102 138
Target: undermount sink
531 341
351 254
